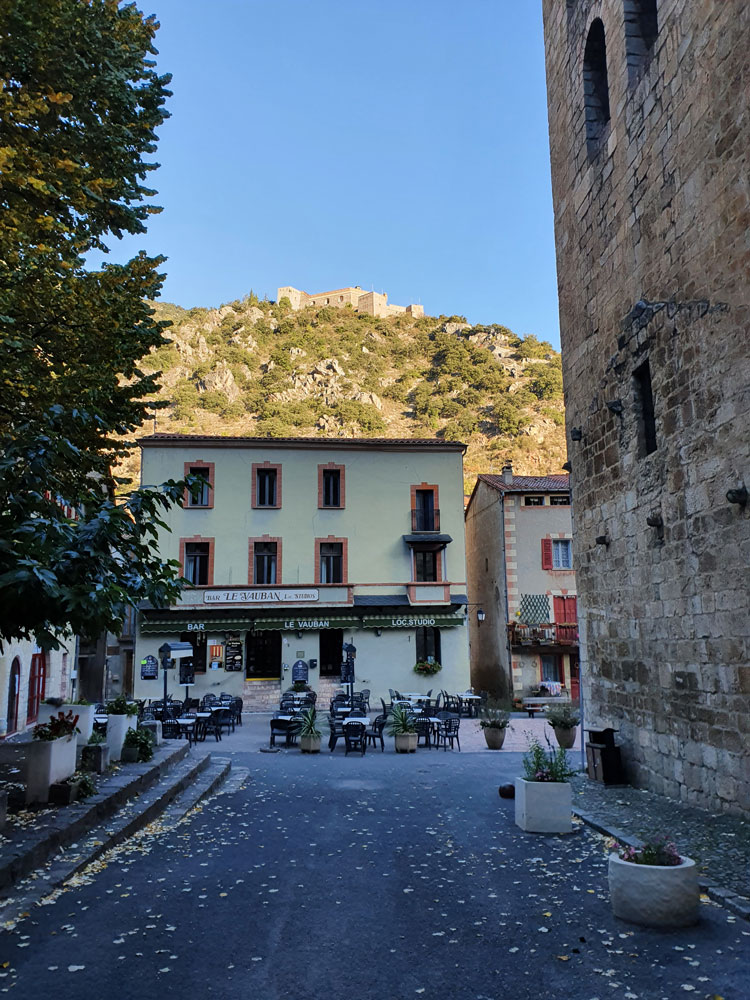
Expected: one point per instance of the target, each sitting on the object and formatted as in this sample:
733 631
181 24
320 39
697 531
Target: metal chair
375 732
447 732
335 730
423 725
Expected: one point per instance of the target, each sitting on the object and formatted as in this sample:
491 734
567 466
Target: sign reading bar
258 596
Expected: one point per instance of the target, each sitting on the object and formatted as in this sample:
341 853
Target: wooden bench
534 704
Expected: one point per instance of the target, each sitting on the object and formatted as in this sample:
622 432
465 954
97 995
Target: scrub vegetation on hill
259 368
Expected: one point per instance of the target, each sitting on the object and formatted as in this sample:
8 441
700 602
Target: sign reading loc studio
258 596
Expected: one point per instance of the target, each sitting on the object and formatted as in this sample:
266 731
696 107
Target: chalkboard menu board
187 674
347 671
149 668
299 671
233 654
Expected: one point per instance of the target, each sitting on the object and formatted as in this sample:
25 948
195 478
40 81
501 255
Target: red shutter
546 553
559 609
571 609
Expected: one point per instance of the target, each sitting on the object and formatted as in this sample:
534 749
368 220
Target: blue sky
400 145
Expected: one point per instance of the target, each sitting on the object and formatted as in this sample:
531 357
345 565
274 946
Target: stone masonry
649 134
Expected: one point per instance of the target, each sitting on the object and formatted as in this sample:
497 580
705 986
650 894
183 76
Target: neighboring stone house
372 303
520 576
299 546
649 123
28 675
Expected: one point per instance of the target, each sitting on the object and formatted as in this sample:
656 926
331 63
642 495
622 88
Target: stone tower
649 134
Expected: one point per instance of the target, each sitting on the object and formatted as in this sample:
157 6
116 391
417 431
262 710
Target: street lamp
168 653
481 616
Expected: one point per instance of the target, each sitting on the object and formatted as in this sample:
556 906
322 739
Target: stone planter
544 806
309 744
654 895
117 727
566 738
129 755
47 762
95 758
494 737
405 742
62 793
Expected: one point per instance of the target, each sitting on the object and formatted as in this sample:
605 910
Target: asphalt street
380 876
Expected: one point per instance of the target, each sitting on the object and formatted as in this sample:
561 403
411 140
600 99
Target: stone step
206 784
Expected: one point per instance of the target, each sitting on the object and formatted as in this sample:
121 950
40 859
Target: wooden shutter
559 609
546 553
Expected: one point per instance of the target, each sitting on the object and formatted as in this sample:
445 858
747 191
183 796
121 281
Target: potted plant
494 720
63 793
82 708
309 733
138 746
52 755
401 727
544 797
95 755
652 884
119 719
564 718
427 667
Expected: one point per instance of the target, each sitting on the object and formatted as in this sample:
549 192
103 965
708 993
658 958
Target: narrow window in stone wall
595 87
641 29
644 401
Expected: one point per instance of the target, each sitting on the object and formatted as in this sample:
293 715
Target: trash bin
603 761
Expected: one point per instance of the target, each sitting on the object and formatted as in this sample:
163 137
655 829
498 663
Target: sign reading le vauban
258 596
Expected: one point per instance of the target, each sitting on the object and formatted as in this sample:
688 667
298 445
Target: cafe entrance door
263 659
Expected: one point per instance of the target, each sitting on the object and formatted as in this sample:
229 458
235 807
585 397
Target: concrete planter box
654 895
405 742
95 758
63 793
544 806
47 762
494 738
85 715
117 727
129 755
309 744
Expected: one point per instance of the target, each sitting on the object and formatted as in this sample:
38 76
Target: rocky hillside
258 368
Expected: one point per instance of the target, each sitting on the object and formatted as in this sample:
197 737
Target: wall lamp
738 496
481 616
300 635
576 434
615 406
602 540
378 631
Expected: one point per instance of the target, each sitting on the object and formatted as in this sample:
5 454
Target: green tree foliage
80 102
546 380
531 347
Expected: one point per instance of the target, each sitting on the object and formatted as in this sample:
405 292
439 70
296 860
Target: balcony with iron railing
425 520
549 634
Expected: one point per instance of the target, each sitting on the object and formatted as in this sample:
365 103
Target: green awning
292 624
414 619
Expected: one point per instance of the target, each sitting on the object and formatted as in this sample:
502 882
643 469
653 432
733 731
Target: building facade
372 303
649 132
520 575
28 675
296 547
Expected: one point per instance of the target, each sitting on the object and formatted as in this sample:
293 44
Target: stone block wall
652 214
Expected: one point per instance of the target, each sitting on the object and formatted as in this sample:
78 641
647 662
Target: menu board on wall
233 653
149 669
187 674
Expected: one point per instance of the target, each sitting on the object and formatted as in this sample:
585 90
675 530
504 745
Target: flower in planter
656 850
494 715
427 667
60 725
546 765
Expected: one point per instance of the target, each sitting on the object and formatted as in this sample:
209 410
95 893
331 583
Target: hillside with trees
254 367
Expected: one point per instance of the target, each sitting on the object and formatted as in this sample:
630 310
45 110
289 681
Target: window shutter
546 553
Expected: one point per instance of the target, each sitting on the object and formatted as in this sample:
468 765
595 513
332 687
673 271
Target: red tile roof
310 442
528 484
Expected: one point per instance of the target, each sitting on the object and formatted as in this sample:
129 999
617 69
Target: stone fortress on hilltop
372 303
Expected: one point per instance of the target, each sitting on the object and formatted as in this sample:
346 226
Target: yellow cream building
296 547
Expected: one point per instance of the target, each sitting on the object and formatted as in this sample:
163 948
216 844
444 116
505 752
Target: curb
68 824
739 905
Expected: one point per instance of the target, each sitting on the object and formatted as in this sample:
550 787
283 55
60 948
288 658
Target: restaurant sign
258 596
414 621
304 624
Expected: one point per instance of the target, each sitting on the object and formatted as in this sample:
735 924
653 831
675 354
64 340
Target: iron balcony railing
563 634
